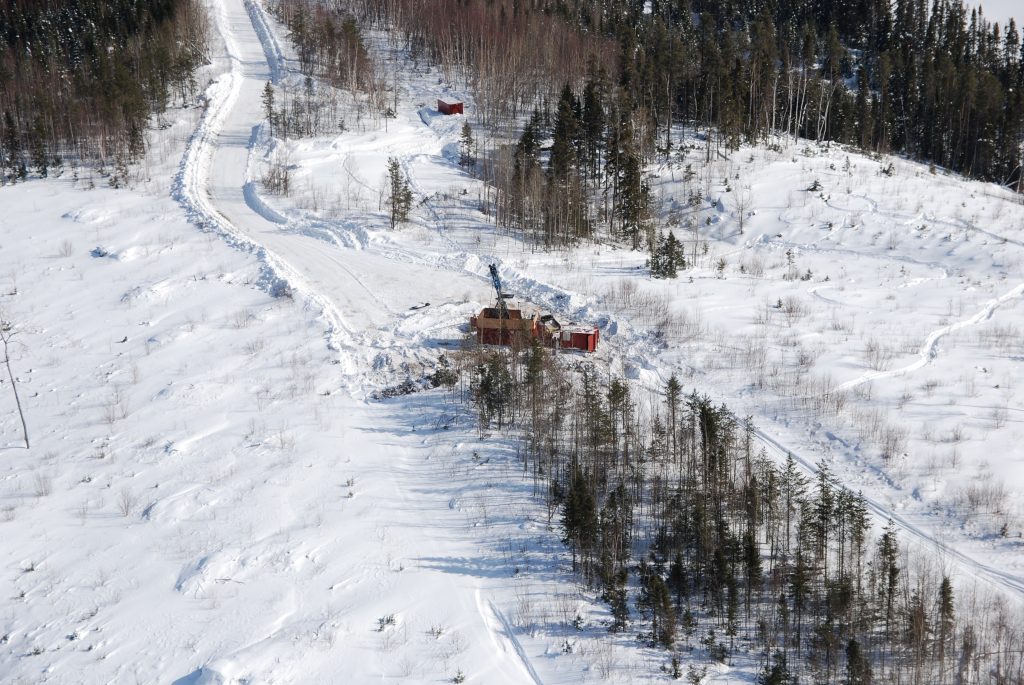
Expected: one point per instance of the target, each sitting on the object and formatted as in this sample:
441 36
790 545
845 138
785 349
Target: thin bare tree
7 333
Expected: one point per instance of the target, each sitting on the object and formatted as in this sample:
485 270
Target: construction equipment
499 325
496 280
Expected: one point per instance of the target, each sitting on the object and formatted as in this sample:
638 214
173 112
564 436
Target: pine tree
399 193
467 147
858 665
268 106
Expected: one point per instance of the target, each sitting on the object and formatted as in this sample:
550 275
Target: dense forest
614 83
929 78
701 545
79 79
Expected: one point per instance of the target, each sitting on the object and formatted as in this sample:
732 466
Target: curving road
362 293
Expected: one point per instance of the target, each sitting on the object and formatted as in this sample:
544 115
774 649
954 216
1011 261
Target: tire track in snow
268 39
929 350
1001 579
191 187
491 615
997 578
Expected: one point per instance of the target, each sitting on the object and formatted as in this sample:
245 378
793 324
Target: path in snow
362 294
929 349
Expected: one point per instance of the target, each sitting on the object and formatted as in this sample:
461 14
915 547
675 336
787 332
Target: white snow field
213 496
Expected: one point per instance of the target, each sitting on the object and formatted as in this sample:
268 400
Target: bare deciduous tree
7 333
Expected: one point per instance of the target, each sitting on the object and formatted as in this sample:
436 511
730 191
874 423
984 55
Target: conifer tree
566 135
946 620
888 574
267 98
399 193
579 519
10 149
858 665
663 613
467 147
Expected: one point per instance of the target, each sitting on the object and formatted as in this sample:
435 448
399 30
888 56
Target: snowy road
363 295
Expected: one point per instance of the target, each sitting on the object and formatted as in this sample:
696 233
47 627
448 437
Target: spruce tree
399 193
267 99
467 147
946 619
858 665
10 148
566 135
888 570
579 519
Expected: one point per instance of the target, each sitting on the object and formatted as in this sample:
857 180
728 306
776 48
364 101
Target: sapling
6 335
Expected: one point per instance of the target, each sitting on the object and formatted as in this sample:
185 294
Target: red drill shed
578 338
492 329
446 106
520 328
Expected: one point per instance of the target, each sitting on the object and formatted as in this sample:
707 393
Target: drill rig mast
496 280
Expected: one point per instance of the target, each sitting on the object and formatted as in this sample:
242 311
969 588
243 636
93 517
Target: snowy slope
213 500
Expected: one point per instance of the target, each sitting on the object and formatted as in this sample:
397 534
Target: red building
493 329
446 106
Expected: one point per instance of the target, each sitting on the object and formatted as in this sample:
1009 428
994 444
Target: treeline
510 54
331 50
701 544
79 79
928 78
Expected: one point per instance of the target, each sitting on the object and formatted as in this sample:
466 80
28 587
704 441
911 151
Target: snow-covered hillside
211 496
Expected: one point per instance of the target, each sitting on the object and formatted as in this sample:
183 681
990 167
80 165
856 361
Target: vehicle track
930 349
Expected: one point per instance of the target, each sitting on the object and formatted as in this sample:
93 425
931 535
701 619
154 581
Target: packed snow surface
213 496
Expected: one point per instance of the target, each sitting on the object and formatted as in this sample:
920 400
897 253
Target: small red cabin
578 339
446 106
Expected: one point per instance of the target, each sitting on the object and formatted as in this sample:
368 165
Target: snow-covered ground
210 496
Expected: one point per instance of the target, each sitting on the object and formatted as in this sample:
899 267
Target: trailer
449 106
